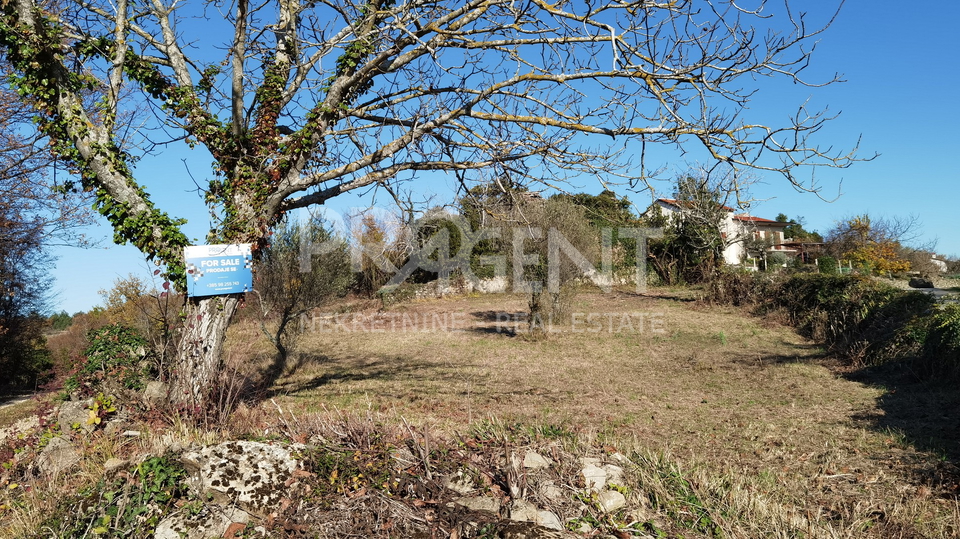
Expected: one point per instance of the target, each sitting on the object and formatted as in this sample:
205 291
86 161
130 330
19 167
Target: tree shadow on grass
504 323
922 414
347 369
500 316
925 413
806 353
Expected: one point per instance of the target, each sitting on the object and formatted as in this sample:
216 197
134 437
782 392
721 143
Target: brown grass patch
737 397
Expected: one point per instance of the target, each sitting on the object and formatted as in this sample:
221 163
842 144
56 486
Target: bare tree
557 247
299 102
287 294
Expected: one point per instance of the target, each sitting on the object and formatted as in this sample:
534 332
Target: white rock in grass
253 475
459 483
535 461
523 511
614 474
58 455
549 520
611 500
551 491
75 415
594 477
212 521
479 503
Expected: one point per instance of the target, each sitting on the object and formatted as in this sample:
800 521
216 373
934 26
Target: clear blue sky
902 67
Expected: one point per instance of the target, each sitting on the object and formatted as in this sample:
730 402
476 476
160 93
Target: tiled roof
758 220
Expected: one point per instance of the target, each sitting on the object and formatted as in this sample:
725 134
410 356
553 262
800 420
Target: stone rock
75 414
116 427
211 522
551 491
155 393
114 465
598 476
496 285
459 483
523 511
611 500
21 426
549 520
595 477
253 475
58 455
479 503
920 282
536 461
614 474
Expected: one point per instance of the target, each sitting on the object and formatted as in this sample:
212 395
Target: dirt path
13 401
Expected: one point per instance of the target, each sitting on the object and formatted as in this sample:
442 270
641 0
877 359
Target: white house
736 231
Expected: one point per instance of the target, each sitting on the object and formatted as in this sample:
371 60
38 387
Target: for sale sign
213 270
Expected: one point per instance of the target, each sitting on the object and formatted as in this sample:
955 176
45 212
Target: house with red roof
745 236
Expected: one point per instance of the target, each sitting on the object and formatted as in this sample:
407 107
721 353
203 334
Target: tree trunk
199 354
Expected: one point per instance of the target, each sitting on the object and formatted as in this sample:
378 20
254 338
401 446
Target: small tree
287 292
555 231
153 311
873 245
60 321
490 205
692 245
377 253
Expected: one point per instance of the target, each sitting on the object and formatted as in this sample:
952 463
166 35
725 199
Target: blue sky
901 63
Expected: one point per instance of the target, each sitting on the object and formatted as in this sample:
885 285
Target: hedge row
857 318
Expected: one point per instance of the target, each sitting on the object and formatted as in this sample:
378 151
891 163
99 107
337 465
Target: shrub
940 355
856 317
130 506
398 293
738 288
864 321
115 359
828 265
776 260
304 267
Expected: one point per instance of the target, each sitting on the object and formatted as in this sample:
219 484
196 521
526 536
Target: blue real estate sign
213 270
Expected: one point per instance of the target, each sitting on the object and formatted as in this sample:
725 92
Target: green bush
398 293
828 265
940 355
115 358
862 320
776 261
859 318
732 287
131 506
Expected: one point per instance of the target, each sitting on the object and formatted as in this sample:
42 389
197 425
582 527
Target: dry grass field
791 443
732 425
